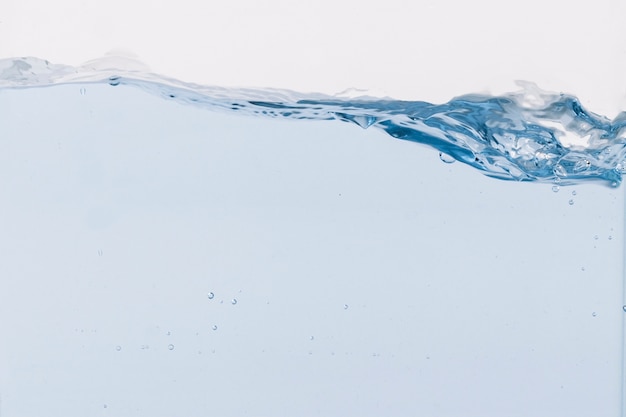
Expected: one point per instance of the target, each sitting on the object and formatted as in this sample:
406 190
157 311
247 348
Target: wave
529 135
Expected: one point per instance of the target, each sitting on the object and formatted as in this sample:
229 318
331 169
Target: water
531 135
122 208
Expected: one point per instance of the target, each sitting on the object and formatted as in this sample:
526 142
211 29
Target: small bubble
594 314
610 237
559 171
106 406
114 80
571 202
624 308
210 296
170 346
233 301
82 91
312 338
118 348
345 306
582 165
169 333
582 268
100 253
446 158
214 327
556 188
574 192
596 237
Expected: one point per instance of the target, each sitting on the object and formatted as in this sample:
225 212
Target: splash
530 135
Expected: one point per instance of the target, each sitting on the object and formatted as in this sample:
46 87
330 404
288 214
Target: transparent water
161 258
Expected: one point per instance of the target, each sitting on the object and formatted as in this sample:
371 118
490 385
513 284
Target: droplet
556 188
345 306
233 301
82 91
571 202
210 296
118 348
170 346
446 158
214 327
574 192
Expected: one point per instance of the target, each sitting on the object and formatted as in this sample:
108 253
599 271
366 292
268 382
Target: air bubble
114 80
82 91
559 171
624 308
312 338
345 306
571 202
582 165
446 158
596 237
610 237
574 192
594 314
118 348
556 188
214 327
170 346
233 301
210 296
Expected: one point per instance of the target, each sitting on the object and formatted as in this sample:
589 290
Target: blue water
370 277
530 135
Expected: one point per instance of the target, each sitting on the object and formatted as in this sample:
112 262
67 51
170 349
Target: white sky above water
422 50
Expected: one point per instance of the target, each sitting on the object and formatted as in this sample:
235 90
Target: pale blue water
530 135
246 254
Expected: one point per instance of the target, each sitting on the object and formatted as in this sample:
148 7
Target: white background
422 50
